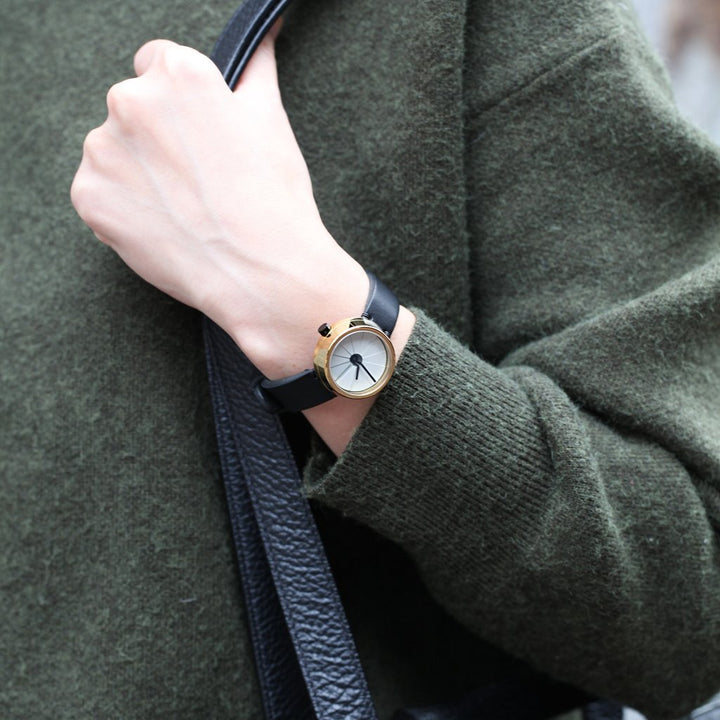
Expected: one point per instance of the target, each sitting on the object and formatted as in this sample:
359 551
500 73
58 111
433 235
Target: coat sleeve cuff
451 437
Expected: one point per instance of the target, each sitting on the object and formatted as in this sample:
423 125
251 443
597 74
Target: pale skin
204 193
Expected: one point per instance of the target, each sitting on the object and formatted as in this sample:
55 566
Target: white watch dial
358 361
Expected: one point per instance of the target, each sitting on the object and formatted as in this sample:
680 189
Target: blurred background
686 33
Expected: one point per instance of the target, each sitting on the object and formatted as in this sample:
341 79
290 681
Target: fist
204 192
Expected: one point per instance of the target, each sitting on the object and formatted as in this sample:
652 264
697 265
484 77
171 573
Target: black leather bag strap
300 633
286 578
275 657
243 34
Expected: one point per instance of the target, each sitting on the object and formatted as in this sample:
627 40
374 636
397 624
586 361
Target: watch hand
367 371
357 372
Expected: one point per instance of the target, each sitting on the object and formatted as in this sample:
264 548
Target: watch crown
324 329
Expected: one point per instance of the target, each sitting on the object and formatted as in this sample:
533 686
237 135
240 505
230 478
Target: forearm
205 194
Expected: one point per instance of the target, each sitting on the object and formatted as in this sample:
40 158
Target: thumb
262 68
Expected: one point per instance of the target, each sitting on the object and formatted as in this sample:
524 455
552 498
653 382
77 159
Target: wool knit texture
537 490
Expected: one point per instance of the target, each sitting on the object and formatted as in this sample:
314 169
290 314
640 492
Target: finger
144 56
275 29
262 67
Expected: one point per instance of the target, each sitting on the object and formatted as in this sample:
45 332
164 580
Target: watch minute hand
367 371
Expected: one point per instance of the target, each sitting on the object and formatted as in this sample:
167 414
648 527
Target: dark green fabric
548 455
117 585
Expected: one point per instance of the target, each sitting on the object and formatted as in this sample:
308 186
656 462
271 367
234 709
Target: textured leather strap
305 655
275 533
274 653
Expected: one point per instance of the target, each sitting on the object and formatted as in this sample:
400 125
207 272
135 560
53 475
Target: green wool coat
539 486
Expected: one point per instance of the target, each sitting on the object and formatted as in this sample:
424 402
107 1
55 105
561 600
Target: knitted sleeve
558 484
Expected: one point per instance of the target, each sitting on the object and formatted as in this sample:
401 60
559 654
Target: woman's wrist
280 337
283 342
337 420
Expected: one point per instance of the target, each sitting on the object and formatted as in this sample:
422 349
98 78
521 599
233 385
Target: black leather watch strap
382 307
305 390
294 393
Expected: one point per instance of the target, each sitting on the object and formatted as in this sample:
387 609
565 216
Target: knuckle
81 196
171 59
93 141
85 185
96 148
184 62
122 99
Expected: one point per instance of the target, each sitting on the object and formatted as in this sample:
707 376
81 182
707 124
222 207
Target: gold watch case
354 346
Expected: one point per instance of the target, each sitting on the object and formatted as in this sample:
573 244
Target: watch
353 358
